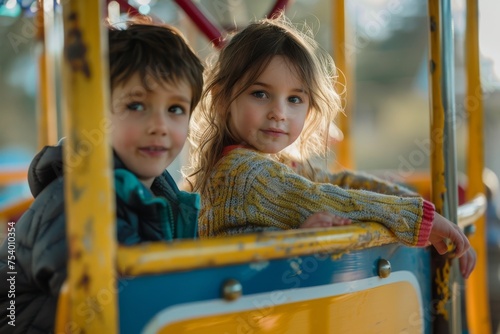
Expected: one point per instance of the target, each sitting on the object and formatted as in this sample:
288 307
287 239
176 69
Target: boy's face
149 127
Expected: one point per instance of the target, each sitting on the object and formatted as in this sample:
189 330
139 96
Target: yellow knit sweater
348 180
249 192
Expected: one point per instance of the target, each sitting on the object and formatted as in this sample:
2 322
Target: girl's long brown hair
239 65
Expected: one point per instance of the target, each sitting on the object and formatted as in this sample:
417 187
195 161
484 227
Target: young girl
270 93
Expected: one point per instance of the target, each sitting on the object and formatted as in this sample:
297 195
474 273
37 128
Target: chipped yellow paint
190 254
63 322
437 119
442 285
478 316
338 256
437 110
366 311
89 198
46 112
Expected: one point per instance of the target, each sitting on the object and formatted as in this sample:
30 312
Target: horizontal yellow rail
181 255
159 257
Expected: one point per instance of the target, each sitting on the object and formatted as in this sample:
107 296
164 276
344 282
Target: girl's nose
277 111
158 124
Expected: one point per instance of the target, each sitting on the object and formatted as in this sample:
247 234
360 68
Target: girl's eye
259 94
177 110
295 99
135 106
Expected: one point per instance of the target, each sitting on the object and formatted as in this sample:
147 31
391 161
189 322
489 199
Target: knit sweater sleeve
357 180
349 179
261 193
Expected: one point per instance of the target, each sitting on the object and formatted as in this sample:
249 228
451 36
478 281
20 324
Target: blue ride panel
143 298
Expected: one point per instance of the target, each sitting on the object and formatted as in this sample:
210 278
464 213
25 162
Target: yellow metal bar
441 265
62 318
89 198
344 148
437 110
190 254
46 113
478 315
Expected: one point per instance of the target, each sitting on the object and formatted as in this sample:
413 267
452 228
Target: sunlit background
388 52
389 81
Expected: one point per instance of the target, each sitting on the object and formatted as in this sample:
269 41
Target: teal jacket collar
174 210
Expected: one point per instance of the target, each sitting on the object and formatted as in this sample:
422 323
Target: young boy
156 82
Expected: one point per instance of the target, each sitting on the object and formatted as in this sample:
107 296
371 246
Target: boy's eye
135 106
177 110
295 99
259 94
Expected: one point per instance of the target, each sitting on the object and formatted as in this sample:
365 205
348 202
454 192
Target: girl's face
149 127
270 114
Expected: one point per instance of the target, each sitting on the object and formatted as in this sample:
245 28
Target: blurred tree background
387 45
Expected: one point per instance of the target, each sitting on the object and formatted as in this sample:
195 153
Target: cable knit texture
350 180
249 192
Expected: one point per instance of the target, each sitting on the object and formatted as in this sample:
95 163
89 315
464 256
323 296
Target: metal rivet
231 289
384 268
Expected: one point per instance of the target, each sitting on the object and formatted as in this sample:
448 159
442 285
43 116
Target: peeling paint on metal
259 266
75 49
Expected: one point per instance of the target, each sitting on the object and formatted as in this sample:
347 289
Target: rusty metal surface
183 255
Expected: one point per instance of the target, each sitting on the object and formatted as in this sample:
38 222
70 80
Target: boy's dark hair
157 52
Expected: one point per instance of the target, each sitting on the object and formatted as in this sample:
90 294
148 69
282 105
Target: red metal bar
201 21
279 7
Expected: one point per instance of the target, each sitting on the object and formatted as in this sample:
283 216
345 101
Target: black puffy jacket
162 213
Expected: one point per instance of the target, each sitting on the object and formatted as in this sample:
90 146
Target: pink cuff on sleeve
426 224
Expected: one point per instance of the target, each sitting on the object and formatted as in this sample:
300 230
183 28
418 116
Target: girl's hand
443 229
324 219
467 262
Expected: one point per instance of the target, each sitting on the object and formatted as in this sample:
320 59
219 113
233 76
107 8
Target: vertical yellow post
437 110
446 301
87 158
478 315
46 113
344 148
